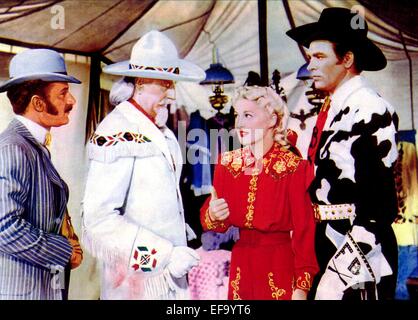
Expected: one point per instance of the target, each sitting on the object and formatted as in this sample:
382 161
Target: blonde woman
261 189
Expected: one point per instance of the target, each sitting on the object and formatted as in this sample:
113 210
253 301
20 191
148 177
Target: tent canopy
109 28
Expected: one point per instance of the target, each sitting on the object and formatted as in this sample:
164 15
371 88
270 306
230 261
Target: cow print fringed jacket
356 155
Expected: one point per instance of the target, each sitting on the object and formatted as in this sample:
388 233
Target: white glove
182 259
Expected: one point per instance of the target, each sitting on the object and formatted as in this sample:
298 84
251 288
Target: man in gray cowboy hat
133 214
35 246
352 154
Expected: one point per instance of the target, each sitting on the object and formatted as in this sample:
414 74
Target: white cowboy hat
37 64
155 56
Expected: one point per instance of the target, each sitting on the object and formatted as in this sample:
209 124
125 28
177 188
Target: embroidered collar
277 162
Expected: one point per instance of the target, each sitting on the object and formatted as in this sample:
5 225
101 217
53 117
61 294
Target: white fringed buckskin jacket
132 209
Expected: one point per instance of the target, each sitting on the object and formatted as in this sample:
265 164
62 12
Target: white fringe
160 286
122 149
157 287
164 287
108 255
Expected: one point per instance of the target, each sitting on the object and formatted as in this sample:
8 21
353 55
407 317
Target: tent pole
262 38
293 25
411 84
93 109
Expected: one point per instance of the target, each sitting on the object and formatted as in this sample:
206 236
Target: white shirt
36 130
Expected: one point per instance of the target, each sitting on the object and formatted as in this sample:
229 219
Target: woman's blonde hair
266 97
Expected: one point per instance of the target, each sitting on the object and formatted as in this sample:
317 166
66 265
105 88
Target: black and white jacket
355 157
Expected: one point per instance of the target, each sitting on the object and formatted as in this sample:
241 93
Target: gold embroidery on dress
212 224
277 293
237 164
279 162
287 162
235 285
235 161
251 199
226 158
266 164
279 166
304 284
208 221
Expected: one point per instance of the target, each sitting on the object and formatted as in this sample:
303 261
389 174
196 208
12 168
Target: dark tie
316 137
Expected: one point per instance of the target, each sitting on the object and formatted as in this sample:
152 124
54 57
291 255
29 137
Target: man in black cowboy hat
352 154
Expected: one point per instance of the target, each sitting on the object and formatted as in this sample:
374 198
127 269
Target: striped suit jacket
33 199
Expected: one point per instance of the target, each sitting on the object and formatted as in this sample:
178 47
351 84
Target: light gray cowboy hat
37 64
155 56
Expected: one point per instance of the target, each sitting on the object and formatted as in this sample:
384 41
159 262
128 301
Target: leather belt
334 211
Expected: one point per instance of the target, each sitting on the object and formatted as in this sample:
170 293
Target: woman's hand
218 208
299 294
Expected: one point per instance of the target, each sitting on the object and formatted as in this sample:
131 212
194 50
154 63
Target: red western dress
270 204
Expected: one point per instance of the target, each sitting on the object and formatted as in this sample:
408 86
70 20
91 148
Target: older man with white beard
132 210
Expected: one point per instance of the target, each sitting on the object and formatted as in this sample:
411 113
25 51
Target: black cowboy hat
340 25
